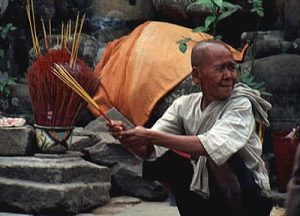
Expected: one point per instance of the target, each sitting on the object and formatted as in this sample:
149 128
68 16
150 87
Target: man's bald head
200 51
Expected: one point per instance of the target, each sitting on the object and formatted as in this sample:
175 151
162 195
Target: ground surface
128 206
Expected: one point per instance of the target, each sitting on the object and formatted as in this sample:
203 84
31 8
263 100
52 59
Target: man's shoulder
185 101
240 101
190 97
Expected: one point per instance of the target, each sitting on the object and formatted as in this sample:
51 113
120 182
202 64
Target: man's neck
204 102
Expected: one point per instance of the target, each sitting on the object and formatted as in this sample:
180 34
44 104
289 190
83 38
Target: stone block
17 141
52 184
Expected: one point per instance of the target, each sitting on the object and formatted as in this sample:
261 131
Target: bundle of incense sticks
62 73
63 41
54 103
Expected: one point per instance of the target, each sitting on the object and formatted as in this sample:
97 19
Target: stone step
32 197
52 184
59 170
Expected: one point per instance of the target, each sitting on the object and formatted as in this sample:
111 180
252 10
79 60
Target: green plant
257 7
4 31
218 10
245 76
5 83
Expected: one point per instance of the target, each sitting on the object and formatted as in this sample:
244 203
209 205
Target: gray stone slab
17 141
53 170
33 197
55 184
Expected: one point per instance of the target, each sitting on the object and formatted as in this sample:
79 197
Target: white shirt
233 131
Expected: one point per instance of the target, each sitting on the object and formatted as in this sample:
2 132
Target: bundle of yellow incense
62 73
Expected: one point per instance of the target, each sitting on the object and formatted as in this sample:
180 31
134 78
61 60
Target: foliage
218 9
257 7
5 80
5 83
182 44
245 76
4 31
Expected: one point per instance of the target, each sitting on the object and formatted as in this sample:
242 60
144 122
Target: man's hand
136 140
136 136
116 128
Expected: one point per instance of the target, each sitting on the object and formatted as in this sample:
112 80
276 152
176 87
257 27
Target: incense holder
53 140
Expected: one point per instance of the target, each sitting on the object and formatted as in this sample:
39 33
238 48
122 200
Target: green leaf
208 21
182 47
8 25
11 82
3 34
219 3
208 4
257 7
258 85
249 78
2 86
226 14
6 91
199 29
203 3
6 29
265 93
229 5
2 53
259 12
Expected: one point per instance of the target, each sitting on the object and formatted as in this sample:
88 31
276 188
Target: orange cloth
137 70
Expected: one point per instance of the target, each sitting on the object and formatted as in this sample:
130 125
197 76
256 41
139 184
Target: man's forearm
141 141
184 143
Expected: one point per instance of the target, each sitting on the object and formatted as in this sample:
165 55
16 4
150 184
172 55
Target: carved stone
56 184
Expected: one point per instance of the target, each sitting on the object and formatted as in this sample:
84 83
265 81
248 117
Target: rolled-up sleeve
231 131
170 122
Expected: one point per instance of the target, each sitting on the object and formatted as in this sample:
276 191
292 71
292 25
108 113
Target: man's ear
196 75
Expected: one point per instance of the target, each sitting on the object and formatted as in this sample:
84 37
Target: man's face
218 73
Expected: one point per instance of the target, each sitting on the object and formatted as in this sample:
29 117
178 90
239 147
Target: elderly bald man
223 173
